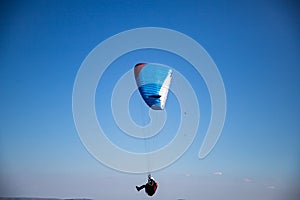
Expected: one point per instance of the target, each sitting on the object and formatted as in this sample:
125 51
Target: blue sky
255 45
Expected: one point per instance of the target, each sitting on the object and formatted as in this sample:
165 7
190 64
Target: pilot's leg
140 187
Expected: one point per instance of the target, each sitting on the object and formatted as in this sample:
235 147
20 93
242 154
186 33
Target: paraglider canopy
153 81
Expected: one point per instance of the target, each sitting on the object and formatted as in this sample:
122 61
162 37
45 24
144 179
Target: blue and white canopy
153 81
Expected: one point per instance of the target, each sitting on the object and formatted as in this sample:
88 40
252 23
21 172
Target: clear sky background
256 46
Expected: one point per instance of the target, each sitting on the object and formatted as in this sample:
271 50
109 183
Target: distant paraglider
153 81
150 187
